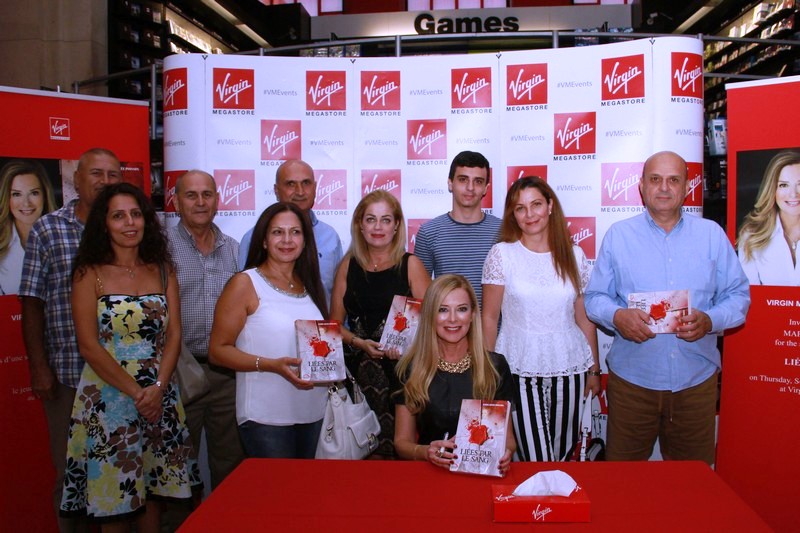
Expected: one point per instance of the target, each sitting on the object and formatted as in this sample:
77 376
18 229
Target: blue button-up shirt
637 255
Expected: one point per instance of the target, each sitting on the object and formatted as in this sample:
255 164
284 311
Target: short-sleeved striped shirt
47 274
449 247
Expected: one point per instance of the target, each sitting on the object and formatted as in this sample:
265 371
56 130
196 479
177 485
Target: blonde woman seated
446 364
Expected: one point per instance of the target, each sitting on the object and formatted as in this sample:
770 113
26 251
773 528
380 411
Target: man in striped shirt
457 242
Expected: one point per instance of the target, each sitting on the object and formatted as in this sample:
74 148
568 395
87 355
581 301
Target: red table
320 496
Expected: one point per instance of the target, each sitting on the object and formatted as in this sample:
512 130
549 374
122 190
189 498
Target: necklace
459 367
278 289
375 264
130 270
792 242
289 283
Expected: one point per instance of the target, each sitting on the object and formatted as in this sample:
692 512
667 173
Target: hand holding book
694 326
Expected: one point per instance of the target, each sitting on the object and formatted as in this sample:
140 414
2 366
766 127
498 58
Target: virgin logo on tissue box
511 508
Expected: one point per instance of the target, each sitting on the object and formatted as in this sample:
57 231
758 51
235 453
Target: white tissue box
510 508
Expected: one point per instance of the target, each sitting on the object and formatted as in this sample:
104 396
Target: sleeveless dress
367 301
116 460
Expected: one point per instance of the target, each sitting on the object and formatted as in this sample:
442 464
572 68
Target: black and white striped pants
547 415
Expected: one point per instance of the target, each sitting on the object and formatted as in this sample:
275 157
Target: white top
771 265
538 335
266 397
11 265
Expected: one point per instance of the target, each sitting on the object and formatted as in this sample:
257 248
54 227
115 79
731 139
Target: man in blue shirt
295 183
664 386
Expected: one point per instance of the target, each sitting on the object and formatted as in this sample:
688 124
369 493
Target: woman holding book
446 363
536 277
374 270
279 415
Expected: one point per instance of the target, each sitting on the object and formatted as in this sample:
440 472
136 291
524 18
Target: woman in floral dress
128 441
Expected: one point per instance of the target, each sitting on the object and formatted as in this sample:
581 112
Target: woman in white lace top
535 276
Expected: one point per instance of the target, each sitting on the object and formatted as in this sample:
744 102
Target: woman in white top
536 277
279 415
769 234
25 195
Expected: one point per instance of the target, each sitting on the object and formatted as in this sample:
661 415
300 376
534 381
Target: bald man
664 386
295 183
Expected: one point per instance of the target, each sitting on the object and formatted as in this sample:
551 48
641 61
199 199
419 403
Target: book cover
481 437
401 323
664 308
319 347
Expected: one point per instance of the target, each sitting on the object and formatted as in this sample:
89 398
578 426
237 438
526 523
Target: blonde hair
419 363
358 245
11 170
558 238
758 225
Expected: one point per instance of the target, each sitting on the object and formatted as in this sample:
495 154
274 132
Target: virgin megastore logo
619 187
380 93
622 80
583 232
326 93
387 179
234 91
687 78
426 142
331 191
59 129
176 92
170 178
514 173
527 87
486 201
280 140
575 136
236 189
471 90
694 197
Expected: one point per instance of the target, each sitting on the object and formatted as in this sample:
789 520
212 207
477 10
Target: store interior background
52 44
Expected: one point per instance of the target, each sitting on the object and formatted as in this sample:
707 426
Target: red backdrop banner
760 404
55 129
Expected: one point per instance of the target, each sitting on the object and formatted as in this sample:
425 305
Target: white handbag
350 428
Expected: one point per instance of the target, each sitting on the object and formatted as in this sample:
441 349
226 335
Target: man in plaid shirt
45 289
205 259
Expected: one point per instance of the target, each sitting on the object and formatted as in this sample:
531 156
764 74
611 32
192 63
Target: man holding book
664 386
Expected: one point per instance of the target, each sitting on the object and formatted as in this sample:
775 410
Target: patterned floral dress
116 460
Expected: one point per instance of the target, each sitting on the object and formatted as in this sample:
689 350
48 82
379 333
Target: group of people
511 314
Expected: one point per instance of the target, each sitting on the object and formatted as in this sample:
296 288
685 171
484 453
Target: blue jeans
298 441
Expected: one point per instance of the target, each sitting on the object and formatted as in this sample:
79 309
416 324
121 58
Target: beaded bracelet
258 360
595 373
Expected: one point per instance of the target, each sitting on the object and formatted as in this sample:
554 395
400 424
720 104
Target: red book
664 308
401 323
319 347
481 437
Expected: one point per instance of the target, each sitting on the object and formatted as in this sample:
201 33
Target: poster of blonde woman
768 234
26 194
